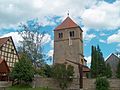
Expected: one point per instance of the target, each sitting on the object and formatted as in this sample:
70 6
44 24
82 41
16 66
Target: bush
23 70
102 84
45 71
63 74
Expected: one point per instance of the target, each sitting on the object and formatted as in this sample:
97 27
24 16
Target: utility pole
80 68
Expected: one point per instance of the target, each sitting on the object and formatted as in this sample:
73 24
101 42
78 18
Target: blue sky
99 19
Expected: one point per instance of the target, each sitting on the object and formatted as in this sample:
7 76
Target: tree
32 41
48 71
118 70
108 71
63 74
98 67
45 71
23 70
101 63
93 62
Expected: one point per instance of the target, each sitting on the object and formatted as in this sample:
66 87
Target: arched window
71 33
82 61
60 35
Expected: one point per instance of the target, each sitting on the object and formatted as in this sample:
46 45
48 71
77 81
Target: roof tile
67 23
3 40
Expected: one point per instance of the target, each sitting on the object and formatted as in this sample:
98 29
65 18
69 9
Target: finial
68 13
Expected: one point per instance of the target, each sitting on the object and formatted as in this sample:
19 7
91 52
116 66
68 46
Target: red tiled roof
86 69
67 23
3 66
3 40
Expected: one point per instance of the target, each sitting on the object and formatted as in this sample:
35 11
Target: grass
25 87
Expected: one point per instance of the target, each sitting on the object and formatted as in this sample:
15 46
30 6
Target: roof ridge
5 37
111 55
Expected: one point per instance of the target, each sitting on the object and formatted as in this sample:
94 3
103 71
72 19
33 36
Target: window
71 33
82 61
60 35
80 35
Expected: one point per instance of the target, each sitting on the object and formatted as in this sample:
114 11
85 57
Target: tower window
71 33
80 35
60 35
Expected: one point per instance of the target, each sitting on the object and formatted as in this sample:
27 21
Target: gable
113 61
8 52
112 58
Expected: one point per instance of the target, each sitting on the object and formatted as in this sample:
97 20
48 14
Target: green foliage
93 62
108 71
48 70
102 84
26 87
98 67
45 71
118 70
63 74
23 70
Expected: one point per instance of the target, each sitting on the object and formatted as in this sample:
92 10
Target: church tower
68 44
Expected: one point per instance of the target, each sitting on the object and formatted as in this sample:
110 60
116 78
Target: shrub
102 84
63 74
23 70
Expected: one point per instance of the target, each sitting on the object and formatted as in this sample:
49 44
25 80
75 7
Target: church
68 45
8 57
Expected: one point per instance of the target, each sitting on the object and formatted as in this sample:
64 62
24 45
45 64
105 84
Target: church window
80 35
71 33
82 61
60 35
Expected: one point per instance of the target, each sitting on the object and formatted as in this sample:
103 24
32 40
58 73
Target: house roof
86 69
110 57
3 66
3 40
67 23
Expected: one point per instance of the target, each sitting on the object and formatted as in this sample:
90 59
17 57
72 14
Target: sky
99 20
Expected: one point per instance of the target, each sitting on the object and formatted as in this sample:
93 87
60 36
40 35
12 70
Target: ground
25 87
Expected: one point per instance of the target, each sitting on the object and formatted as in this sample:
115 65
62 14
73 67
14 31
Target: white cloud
52 43
102 41
46 39
103 34
88 59
15 36
14 11
118 45
90 36
50 53
114 38
86 36
102 15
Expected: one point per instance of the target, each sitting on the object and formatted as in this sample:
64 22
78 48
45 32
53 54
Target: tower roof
67 23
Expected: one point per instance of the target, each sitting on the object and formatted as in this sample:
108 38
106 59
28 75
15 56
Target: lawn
25 87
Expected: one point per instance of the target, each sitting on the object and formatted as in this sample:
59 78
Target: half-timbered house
8 56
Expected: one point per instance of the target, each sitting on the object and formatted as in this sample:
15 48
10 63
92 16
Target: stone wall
88 84
5 84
